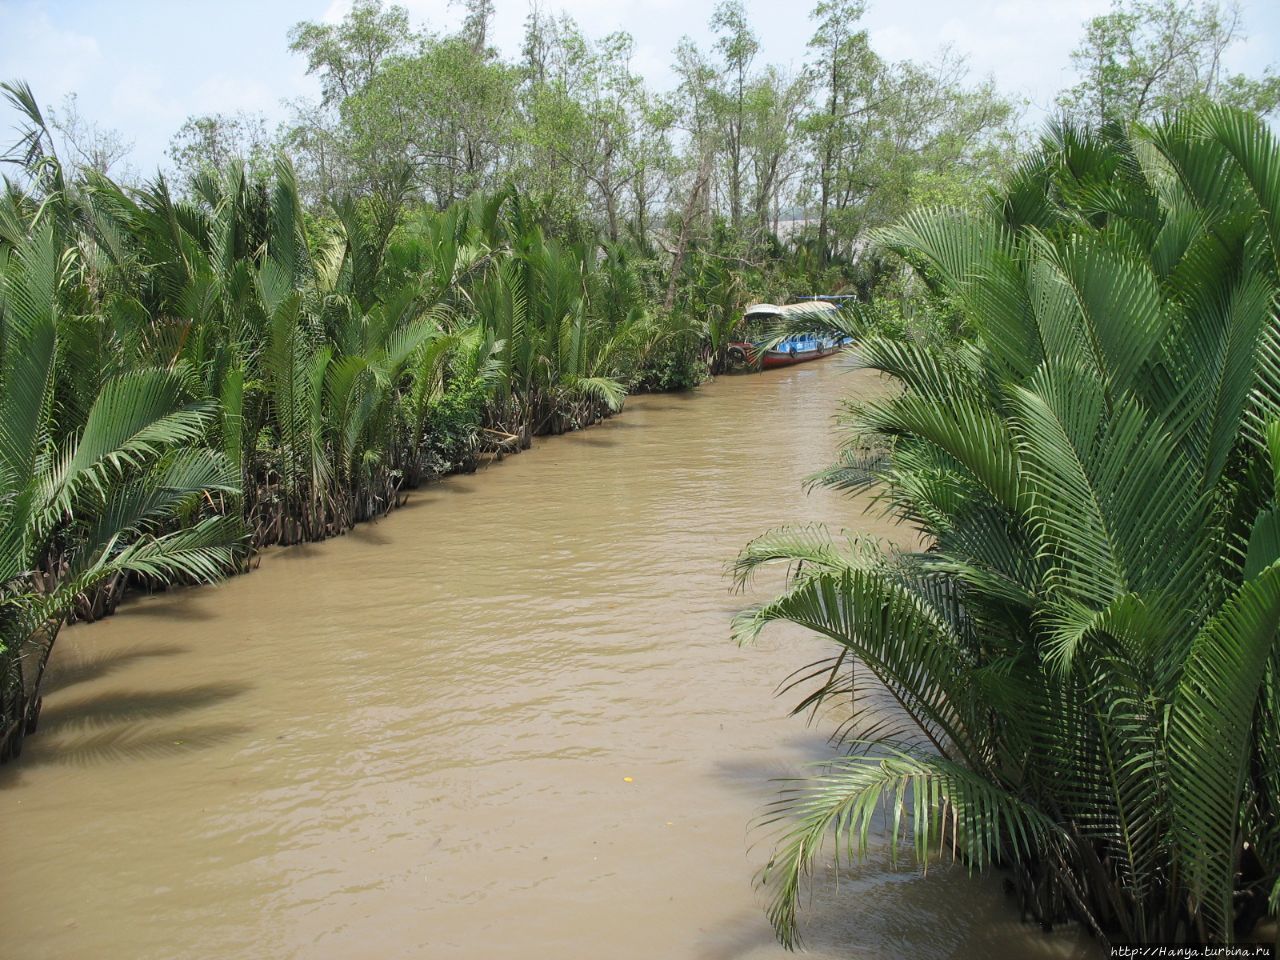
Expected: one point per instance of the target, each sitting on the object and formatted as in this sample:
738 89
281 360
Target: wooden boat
797 348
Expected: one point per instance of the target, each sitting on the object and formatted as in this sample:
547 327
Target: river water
506 721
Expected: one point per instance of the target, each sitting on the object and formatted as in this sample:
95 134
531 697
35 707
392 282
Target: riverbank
415 739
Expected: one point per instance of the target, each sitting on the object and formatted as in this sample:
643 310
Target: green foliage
1083 658
902 307
453 425
176 370
1147 58
123 493
676 361
210 143
346 55
829 150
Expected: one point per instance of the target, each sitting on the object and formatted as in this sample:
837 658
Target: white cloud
227 93
32 46
1025 46
336 10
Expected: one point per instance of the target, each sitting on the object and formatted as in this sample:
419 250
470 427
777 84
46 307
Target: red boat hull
779 358
743 353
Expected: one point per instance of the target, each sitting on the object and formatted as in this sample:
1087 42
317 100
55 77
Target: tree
87 145
446 111
737 46
1149 57
594 127
773 109
347 55
926 126
843 76
476 25
879 128
209 143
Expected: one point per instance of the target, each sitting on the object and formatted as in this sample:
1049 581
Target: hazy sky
143 66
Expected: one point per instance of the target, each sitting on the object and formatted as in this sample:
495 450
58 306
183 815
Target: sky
143 66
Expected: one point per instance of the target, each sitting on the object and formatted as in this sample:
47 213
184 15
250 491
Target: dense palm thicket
723 168
187 378
1079 678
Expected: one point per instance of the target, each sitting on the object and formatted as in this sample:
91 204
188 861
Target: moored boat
797 348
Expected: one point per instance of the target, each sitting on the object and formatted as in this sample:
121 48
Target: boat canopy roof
790 309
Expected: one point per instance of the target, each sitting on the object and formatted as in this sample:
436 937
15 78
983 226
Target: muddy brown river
506 721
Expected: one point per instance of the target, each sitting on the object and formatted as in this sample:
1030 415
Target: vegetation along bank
451 252
281 335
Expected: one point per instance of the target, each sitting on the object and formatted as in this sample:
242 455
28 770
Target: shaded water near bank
414 741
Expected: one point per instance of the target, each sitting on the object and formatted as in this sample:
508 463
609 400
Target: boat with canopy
795 348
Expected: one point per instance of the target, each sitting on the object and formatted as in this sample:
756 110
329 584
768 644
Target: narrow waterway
506 721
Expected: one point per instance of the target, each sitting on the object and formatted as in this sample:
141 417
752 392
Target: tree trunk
611 208
686 222
825 177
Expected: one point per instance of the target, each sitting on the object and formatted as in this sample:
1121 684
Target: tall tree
446 112
737 47
773 108
88 145
592 128
844 72
210 142
695 97
1149 57
477 24
346 56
